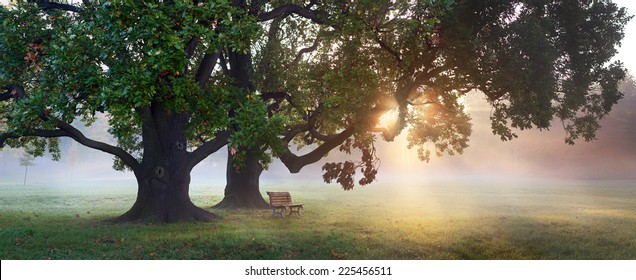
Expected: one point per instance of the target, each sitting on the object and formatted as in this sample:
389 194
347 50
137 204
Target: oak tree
152 68
335 69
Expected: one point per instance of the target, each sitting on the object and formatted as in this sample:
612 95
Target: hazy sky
627 52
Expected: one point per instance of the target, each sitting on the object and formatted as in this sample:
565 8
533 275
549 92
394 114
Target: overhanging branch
65 130
292 131
386 47
78 136
36 132
12 91
295 163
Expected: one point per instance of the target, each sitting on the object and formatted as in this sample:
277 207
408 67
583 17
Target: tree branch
317 135
226 71
423 77
208 148
6 95
51 6
290 9
385 46
295 163
206 67
78 136
292 131
65 129
192 45
309 49
427 102
36 132
13 91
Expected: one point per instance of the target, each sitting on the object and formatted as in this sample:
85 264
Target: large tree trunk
163 197
164 175
242 189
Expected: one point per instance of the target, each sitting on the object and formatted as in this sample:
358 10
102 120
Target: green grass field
442 220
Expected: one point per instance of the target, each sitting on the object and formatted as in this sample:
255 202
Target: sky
627 52
533 155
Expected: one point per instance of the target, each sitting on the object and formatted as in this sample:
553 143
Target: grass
442 220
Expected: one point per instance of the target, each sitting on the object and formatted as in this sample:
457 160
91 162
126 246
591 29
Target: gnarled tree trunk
242 188
163 196
164 175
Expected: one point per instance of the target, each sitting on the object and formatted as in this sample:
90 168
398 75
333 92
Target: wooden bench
281 201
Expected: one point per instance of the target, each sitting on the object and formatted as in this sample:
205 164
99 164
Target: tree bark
163 197
243 188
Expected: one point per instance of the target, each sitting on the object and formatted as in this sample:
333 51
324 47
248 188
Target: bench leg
279 213
296 210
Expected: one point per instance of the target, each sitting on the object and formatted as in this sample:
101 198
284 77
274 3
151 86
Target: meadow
423 220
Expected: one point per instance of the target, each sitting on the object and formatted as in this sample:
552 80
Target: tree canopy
342 66
178 80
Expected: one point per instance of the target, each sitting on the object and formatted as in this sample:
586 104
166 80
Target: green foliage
256 131
339 74
568 46
533 60
344 173
306 74
119 57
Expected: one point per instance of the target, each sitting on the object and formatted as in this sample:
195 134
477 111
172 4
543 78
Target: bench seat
281 202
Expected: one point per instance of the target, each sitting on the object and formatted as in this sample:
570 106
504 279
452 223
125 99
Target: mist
535 155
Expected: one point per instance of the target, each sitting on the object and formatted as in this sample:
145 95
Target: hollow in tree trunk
242 189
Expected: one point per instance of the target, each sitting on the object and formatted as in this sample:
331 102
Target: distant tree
625 112
628 85
335 68
26 160
73 157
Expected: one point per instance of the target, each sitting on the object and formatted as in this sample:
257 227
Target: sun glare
388 119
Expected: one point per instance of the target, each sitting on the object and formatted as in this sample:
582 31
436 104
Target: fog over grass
534 155
417 220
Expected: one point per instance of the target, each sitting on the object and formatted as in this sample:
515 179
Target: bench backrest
279 198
